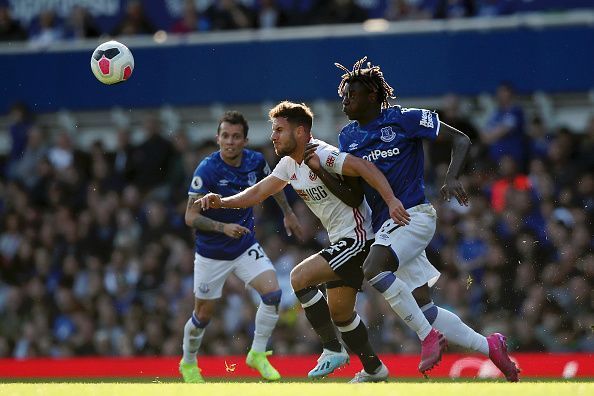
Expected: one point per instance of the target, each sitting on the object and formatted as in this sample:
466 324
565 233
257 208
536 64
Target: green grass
457 388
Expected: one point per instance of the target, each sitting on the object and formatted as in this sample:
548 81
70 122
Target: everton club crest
252 179
388 134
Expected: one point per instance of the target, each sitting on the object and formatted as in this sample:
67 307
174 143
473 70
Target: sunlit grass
302 389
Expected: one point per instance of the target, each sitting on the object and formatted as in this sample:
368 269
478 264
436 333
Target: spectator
80 24
400 10
451 114
152 158
504 133
229 15
10 30
540 140
24 170
492 8
191 20
270 15
134 22
449 9
19 132
49 31
338 11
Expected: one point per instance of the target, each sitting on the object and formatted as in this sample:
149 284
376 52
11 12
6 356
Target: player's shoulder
210 161
394 112
349 128
324 146
252 157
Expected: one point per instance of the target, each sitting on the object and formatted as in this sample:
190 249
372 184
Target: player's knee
380 259
422 295
272 298
371 268
298 279
200 321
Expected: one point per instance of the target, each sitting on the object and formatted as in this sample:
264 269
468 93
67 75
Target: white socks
402 302
266 318
192 340
456 331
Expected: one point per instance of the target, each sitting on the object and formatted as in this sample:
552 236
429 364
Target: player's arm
197 221
355 166
290 221
460 149
348 190
247 198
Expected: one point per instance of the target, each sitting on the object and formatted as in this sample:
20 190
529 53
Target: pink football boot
498 355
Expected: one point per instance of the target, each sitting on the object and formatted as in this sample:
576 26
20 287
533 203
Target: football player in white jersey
349 230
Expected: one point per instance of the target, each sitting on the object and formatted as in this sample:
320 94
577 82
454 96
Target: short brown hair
235 118
295 113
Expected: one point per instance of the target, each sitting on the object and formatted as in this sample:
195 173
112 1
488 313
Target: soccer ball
112 62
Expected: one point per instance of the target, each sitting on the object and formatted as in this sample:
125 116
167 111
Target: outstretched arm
249 197
460 149
197 221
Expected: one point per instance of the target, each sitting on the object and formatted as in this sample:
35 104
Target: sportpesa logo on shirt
377 154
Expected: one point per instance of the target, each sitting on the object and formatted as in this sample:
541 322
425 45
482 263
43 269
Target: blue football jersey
393 142
216 176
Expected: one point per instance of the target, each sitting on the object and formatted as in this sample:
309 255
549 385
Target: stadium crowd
48 27
95 258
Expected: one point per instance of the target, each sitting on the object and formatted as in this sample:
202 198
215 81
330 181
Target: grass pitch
301 389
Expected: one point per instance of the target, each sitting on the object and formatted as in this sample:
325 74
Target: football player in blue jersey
225 244
392 138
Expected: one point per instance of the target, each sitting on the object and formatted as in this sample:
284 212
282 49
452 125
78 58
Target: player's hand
310 157
398 213
210 201
454 187
292 226
235 230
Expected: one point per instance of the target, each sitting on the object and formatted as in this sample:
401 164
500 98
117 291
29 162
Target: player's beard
288 148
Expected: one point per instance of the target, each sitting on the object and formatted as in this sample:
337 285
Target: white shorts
210 275
409 243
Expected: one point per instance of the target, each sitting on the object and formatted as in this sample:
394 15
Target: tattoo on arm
203 223
282 202
197 221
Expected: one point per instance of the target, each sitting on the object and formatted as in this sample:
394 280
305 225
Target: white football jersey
339 219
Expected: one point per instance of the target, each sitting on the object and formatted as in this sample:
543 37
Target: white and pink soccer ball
112 62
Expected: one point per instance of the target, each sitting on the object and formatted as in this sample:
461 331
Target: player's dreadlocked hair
371 76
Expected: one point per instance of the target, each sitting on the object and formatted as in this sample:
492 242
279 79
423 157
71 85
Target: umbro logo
223 182
353 146
294 177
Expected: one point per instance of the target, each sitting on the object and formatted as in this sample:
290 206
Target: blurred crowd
95 258
219 15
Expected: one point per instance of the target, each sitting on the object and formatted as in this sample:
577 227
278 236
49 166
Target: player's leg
449 323
459 333
393 254
209 278
341 300
193 333
254 268
305 277
267 286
